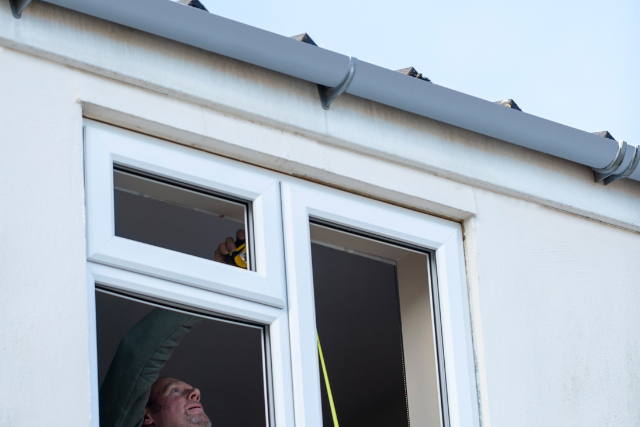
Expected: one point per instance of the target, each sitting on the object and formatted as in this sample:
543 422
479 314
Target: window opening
145 351
157 212
375 327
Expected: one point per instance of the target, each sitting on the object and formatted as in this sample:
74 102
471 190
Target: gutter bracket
629 170
330 94
601 173
17 6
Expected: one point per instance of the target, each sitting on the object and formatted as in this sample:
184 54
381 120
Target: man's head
173 403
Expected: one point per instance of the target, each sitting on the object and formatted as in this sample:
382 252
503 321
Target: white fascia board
223 36
481 116
288 56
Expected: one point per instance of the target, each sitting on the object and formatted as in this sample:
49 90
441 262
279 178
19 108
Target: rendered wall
556 322
44 369
553 295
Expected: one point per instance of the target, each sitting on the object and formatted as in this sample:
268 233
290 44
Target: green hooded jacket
140 357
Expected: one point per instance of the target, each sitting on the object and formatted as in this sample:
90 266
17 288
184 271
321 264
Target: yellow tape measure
326 382
239 256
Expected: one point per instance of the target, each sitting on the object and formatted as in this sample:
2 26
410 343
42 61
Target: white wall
556 321
553 295
43 303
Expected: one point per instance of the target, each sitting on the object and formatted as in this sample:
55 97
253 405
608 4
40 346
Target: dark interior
224 360
358 322
170 226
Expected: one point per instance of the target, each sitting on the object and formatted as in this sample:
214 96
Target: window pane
180 219
223 360
374 326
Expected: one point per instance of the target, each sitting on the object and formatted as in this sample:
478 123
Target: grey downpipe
17 6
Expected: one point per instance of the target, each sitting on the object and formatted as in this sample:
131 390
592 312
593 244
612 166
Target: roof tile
194 3
509 103
605 134
412 72
305 38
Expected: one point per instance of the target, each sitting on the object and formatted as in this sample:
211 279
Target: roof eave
301 60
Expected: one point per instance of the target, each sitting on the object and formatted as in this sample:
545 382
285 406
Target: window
222 358
186 220
305 203
381 288
373 317
110 152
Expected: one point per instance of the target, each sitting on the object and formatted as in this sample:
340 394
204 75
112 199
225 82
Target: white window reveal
369 325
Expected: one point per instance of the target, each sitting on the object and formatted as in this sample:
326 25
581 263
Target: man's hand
228 246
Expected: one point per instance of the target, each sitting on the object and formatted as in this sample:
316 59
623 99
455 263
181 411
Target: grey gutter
288 56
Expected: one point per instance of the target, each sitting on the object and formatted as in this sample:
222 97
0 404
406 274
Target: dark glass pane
175 218
359 326
223 360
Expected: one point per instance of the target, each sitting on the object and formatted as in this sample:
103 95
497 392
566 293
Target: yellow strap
326 381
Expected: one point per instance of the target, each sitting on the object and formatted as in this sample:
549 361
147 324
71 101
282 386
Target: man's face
176 404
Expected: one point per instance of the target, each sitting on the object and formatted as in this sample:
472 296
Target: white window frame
182 280
282 207
279 392
106 146
303 201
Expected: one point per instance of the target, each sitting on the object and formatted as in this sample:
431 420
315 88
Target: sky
573 62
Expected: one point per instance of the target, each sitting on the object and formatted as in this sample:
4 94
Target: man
131 394
134 371
173 403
